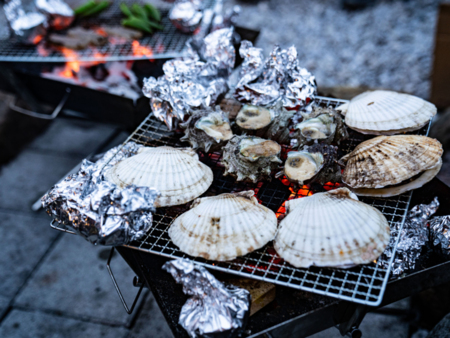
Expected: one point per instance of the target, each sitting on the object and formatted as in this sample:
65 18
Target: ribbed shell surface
178 174
385 112
389 160
331 229
224 227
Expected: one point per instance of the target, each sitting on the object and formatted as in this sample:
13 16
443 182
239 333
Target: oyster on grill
389 165
254 117
250 158
207 129
322 124
331 229
223 227
177 173
278 130
382 112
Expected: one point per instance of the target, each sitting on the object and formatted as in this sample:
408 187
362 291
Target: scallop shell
390 160
176 173
331 229
384 112
224 226
207 129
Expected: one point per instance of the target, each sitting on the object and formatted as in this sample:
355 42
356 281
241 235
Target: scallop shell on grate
331 229
224 227
390 160
384 112
177 173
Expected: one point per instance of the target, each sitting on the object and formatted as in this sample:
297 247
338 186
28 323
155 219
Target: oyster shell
250 158
382 112
223 227
389 160
302 166
206 129
278 130
254 117
331 229
176 173
322 124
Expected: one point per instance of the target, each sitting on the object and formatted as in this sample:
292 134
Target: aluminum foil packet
440 234
278 78
195 81
27 24
413 236
214 310
59 14
186 15
98 210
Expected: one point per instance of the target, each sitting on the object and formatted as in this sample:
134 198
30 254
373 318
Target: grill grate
165 44
362 284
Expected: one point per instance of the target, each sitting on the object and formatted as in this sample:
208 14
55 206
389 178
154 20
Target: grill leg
350 328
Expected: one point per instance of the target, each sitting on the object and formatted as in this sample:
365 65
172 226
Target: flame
139 50
37 39
71 67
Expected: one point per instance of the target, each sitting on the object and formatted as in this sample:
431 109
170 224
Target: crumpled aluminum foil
97 209
192 82
214 310
27 24
186 15
278 78
59 14
413 237
440 234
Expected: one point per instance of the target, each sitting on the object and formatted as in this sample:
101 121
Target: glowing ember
139 50
72 67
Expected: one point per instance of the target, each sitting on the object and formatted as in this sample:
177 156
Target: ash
386 45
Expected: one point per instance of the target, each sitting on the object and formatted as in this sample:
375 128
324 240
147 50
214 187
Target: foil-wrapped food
26 22
192 82
186 15
97 209
278 78
214 310
440 234
58 13
413 237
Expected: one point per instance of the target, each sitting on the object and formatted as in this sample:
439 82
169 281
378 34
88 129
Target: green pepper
85 7
152 12
155 25
139 12
137 23
100 6
125 10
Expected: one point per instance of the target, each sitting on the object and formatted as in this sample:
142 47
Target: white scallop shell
176 173
331 229
384 112
224 226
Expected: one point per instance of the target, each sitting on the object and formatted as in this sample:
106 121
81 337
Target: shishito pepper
155 25
125 10
100 6
152 12
85 7
139 12
137 23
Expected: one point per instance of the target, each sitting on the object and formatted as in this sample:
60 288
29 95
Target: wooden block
262 292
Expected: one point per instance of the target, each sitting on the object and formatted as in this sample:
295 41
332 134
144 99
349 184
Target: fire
71 67
139 50
37 39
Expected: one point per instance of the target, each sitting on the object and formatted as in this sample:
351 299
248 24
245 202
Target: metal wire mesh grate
362 284
168 43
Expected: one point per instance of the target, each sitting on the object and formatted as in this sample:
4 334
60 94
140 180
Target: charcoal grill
363 284
165 44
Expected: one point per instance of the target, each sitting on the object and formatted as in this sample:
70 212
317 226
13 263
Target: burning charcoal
213 310
90 36
59 13
69 42
122 32
28 26
186 15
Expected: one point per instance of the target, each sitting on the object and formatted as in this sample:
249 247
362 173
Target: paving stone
73 280
151 322
68 137
24 240
374 326
29 176
24 324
